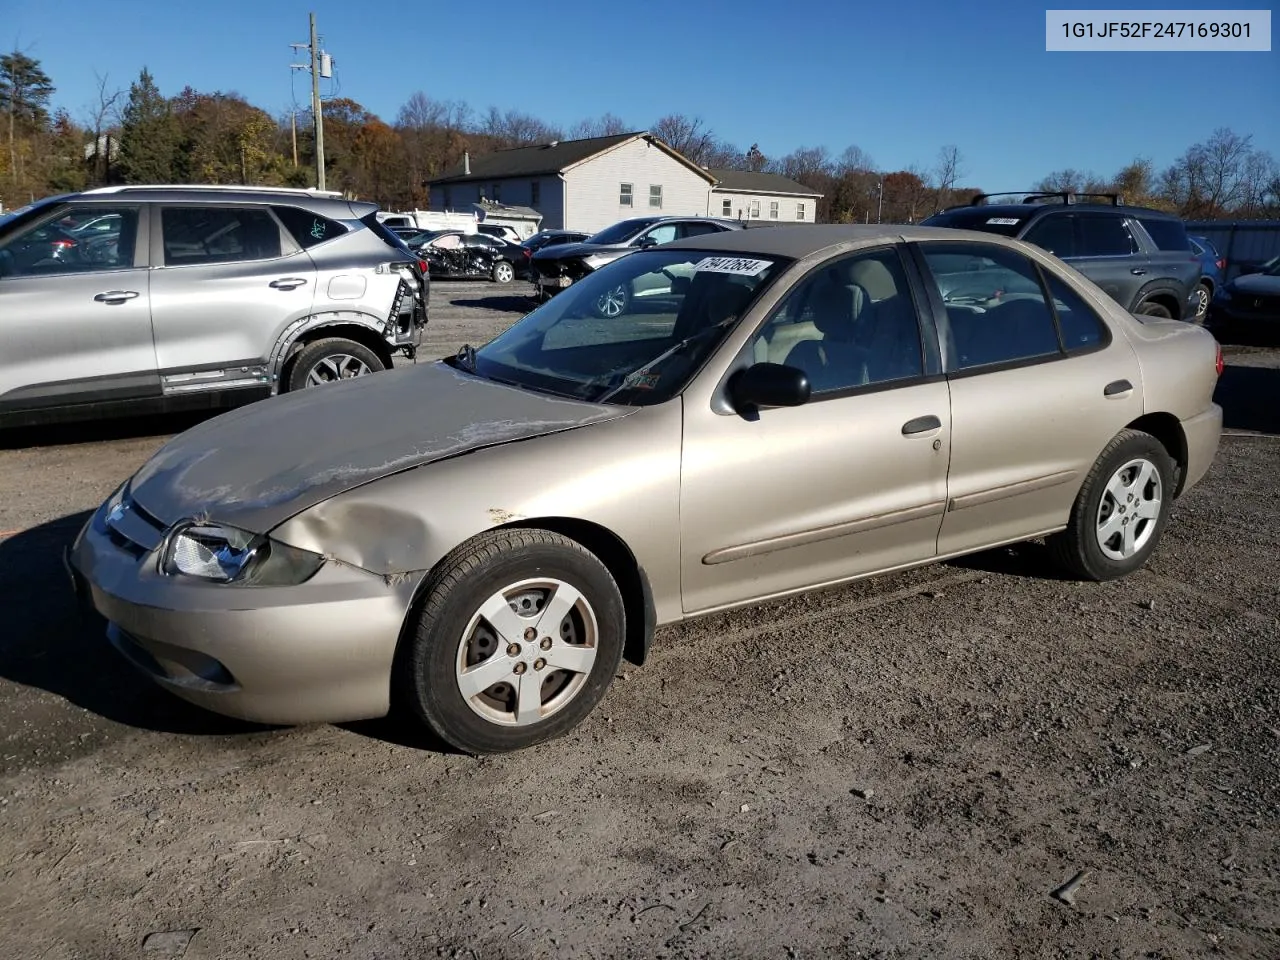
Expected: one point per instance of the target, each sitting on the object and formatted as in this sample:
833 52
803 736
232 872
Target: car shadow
1247 396
51 644
101 431
1030 559
507 302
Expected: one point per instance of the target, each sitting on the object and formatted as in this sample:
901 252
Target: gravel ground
909 766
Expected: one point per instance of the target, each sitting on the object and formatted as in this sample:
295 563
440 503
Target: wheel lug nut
546 643
539 664
513 650
530 633
520 668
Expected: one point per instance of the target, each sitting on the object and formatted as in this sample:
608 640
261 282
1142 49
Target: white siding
592 188
516 191
741 205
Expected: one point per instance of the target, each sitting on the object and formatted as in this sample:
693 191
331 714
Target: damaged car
476 256
478 542
132 298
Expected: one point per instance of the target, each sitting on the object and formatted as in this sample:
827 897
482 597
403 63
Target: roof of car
799 241
1023 210
324 203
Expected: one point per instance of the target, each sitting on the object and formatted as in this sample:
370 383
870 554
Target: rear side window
1082 329
308 229
208 234
385 235
1104 236
1167 234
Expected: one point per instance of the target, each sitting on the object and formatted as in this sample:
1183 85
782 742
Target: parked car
549 238
501 231
1249 305
1141 257
453 253
807 409
208 293
1212 270
557 266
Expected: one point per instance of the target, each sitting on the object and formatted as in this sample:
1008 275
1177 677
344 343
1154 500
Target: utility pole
293 131
320 66
880 202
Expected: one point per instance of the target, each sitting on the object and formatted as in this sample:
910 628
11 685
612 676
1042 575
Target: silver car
162 297
482 539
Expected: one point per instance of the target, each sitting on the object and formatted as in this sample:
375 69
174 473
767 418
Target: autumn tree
946 174
148 135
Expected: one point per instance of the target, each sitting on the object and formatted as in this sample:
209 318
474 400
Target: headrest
875 278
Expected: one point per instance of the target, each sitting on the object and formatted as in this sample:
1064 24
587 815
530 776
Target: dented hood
261 464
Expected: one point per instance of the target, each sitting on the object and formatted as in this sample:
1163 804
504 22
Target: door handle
116 296
1139 271
1117 388
921 425
288 283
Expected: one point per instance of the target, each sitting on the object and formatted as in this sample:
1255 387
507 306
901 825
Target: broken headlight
222 554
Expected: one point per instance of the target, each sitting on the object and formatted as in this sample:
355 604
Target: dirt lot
906 767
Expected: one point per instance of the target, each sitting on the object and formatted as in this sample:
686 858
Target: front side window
1054 233
633 332
773 209
663 234
209 234
996 307
850 324
624 195
655 196
74 240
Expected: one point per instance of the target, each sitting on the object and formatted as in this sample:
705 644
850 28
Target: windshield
633 332
620 232
978 218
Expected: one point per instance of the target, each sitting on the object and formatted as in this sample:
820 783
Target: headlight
221 554
598 260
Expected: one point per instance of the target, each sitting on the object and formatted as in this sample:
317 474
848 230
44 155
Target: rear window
308 228
1167 234
976 218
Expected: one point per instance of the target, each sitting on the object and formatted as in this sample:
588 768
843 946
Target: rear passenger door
228 279
1039 386
1108 254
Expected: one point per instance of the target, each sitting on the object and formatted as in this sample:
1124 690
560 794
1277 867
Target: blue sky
898 79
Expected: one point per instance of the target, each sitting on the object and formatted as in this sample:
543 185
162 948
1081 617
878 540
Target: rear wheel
503 272
1120 512
1204 296
520 634
332 359
1152 309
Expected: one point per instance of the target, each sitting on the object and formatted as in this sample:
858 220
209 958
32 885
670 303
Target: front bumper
321 651
1203 433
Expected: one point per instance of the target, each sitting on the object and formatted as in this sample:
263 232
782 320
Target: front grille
134 529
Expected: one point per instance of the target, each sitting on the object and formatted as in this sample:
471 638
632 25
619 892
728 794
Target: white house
744 195
581 184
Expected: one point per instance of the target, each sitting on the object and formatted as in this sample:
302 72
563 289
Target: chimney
466 163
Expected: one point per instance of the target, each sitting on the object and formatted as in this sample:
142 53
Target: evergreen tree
148 135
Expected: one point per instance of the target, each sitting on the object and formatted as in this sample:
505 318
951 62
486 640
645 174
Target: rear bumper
1203 433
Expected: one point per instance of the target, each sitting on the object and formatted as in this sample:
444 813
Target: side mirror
648 242
769 385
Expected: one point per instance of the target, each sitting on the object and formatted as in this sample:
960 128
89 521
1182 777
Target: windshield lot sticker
735 265
1004 221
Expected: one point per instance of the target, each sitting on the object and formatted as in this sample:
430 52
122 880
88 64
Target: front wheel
613 302
1204 296
330 360
1151 309
503 272
1120 512
519 636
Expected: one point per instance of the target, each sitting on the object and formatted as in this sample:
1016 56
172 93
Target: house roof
491 209
545 159
746 181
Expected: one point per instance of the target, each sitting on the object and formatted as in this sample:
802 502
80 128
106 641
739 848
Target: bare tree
947 173
754 160
854 160
608 125
725 156
688 136
516 129
103 115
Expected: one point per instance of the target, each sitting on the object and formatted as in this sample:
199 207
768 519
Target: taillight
64 244
1218 365
528 254
1220 264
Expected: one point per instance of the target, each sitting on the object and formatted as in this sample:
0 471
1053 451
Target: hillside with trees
143 135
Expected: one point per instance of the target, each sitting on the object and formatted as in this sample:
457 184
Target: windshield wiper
665 354
466 357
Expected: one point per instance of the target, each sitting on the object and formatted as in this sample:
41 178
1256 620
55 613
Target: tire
1132 482
515 574
613 302
1152 309
503 272
332 359
1204 296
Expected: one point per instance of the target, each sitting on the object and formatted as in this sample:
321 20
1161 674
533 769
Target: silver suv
179 296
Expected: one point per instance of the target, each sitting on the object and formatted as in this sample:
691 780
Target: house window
755 209
497 193
773 209
726 208
799 211
535 193
479 194
448 198
624 195
655 195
